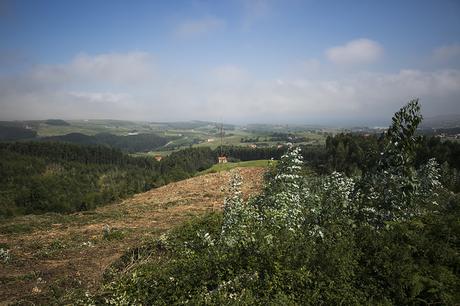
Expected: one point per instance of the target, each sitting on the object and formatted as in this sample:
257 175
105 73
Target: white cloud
118 68
447 53
199 27
100 97
355 52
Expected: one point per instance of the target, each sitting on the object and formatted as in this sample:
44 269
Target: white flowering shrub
238 217
281 204
329 200
429 178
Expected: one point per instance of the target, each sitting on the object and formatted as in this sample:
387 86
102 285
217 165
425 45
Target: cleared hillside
53 256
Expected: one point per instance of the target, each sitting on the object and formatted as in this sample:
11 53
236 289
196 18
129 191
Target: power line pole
221 137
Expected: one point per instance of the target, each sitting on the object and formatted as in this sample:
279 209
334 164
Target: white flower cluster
429 177
340 186
283 206
328 200
5 255
289 166
399 193
88 244
206 238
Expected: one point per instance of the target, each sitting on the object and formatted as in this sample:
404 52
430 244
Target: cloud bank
134 86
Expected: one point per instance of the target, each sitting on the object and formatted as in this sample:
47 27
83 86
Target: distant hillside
39 177
194 124
442 121
134 143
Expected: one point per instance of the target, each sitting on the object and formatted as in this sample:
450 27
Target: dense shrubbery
38 177
389 235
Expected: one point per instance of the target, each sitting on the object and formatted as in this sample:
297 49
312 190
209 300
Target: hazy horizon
282 62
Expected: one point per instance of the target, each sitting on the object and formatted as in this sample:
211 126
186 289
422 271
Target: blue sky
244 60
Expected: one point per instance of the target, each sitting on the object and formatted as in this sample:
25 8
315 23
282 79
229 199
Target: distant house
253 146
158 157
222 159
279 146
210 140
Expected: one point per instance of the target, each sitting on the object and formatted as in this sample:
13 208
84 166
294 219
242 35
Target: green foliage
400 141
355 155
309 240
394 189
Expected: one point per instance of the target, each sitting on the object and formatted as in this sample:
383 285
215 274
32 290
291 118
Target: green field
229 166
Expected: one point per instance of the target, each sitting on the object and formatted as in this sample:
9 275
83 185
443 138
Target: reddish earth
55 257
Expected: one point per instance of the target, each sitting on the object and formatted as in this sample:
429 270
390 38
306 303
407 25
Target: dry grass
51 258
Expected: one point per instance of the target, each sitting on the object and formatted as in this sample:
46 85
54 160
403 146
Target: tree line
355 154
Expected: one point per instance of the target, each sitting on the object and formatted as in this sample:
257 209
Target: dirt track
54 257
